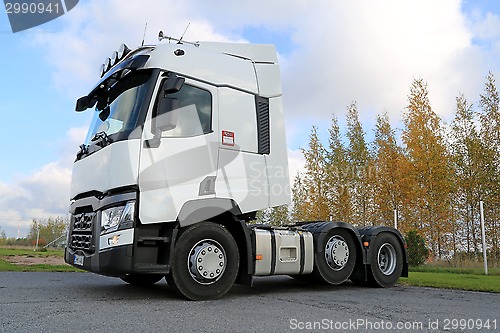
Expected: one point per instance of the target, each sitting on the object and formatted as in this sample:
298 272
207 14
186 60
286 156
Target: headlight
117 217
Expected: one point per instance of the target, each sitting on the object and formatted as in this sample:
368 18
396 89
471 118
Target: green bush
417 251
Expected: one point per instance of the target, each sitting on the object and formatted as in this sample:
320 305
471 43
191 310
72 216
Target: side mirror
173 84
104 114
82 104
166 118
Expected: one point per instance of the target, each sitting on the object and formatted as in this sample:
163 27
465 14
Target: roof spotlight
114 58
107 64
102 70
123 50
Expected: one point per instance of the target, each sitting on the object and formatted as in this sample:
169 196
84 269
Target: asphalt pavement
85 302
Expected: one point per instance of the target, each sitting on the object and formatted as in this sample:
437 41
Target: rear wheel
142 280
335 263
386 261
205 262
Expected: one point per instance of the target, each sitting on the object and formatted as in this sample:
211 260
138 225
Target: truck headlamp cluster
117 56
119 217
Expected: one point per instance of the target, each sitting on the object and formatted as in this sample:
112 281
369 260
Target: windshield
118 109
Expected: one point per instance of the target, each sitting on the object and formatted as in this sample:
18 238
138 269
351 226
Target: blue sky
331 52
35 115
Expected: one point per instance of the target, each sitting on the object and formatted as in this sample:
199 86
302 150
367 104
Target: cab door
179 151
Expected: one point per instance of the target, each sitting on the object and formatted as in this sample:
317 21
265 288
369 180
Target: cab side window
190 113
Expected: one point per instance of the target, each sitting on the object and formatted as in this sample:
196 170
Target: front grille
82 234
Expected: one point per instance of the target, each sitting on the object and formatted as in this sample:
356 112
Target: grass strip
6 266
471 282
9 252
455 270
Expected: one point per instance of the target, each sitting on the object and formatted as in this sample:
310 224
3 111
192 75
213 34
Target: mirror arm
154 142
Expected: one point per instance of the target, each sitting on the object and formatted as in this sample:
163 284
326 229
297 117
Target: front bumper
109 254
113 262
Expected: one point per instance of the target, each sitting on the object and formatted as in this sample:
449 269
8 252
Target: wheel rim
336 252
386 259
206 261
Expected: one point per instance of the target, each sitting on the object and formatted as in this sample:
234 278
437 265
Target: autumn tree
361 168
417 251
49 230
337 176
389 176
490 138
430 168
467 158
299 199
314 180
277 216
3 237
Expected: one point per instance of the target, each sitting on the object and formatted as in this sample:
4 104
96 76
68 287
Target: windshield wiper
102 138
84 150
102 141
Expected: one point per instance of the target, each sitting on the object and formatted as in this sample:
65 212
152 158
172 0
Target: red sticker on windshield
228 138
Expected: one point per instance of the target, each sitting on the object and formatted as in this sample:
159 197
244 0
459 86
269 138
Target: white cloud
11 222
370 51
43 194
234 15
486 27
69 145
48 188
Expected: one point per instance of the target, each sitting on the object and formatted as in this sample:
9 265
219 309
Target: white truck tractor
186 144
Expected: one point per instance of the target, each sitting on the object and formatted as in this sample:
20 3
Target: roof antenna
144 36
180 40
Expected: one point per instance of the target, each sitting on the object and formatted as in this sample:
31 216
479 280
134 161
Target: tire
335 263
142 280
386 261
205 262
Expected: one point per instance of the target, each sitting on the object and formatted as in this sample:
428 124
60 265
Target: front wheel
386 261
205 262
336 262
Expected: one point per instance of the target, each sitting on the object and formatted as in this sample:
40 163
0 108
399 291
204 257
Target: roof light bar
117 56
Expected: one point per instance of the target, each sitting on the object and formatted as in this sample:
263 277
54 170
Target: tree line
51 231
431 177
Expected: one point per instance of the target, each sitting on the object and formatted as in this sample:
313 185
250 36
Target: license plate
78 260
